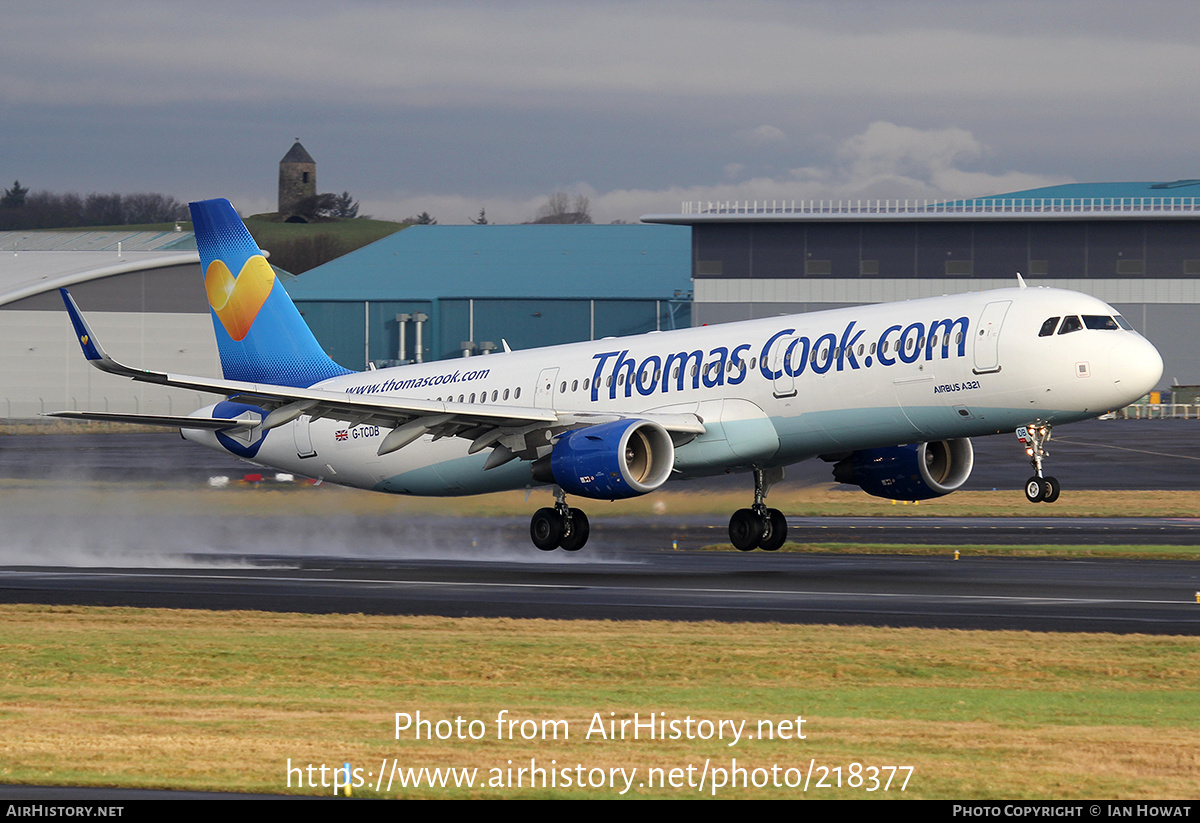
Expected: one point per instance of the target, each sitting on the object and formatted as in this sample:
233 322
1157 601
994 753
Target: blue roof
430 262
1099 191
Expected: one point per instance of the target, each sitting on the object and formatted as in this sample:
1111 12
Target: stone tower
297 179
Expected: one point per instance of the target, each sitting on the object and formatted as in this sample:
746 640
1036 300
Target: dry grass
223 700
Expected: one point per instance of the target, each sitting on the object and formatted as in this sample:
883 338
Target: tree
422 219
562 208
345 206
326 206
481 220
14 198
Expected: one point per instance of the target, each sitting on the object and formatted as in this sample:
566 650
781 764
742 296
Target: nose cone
1135 367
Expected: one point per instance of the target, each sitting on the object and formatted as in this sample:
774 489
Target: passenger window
1048 327
1070 323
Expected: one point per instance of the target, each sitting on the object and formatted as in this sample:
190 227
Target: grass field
224 700
209 700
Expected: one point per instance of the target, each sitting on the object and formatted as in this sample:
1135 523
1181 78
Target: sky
452 107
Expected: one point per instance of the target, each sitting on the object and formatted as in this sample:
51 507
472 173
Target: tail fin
261 336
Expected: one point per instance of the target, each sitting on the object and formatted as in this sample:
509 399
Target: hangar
434 292
141 291
1134 245
460 289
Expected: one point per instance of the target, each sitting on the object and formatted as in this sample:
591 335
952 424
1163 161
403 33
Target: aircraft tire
580 529
546 529
1052 488
745 530
1035 489
778 531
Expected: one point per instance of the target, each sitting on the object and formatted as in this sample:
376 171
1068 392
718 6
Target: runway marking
1187 599
1125 449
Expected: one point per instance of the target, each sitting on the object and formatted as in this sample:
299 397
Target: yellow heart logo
237 301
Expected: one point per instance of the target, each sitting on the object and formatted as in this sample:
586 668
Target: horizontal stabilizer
173 421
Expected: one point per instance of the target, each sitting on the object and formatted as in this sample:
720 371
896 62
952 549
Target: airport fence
1160 411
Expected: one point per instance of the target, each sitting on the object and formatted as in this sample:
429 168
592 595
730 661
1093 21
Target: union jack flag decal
341 434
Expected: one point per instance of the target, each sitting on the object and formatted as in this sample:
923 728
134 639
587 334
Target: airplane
888 393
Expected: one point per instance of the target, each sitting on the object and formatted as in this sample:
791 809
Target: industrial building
1134 245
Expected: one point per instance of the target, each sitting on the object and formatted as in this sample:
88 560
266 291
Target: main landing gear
759 527
1039 488
560 526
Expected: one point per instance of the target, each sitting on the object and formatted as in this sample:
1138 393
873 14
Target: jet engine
916 471
610 461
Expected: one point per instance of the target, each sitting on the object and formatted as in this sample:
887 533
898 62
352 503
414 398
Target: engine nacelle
611 461
917 471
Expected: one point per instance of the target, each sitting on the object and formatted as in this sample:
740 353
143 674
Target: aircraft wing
506 427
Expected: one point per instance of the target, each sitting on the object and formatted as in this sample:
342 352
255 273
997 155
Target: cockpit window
1048 327
1070 323
1123 323
1099 322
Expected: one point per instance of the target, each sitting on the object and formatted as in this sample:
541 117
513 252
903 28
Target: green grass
353 233
209 700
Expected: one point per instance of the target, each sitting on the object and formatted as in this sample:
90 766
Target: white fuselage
769 392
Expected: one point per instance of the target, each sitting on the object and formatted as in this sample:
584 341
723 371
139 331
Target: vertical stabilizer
261 336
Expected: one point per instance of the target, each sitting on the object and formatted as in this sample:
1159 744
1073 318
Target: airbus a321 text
888 393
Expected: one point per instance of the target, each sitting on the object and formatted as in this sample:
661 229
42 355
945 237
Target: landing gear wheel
745 530
776 532
546 529
578 532
1035 490
1040 488
1050 489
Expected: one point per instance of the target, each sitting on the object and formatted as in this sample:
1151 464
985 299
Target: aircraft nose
1136 367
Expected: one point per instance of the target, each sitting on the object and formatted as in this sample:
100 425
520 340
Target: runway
973 593
634 568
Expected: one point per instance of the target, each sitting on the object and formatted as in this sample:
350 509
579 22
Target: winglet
83 333
91 347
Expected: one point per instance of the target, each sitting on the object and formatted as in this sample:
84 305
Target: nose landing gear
759 527
1039 488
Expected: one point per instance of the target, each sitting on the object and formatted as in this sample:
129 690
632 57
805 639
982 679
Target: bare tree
563 208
